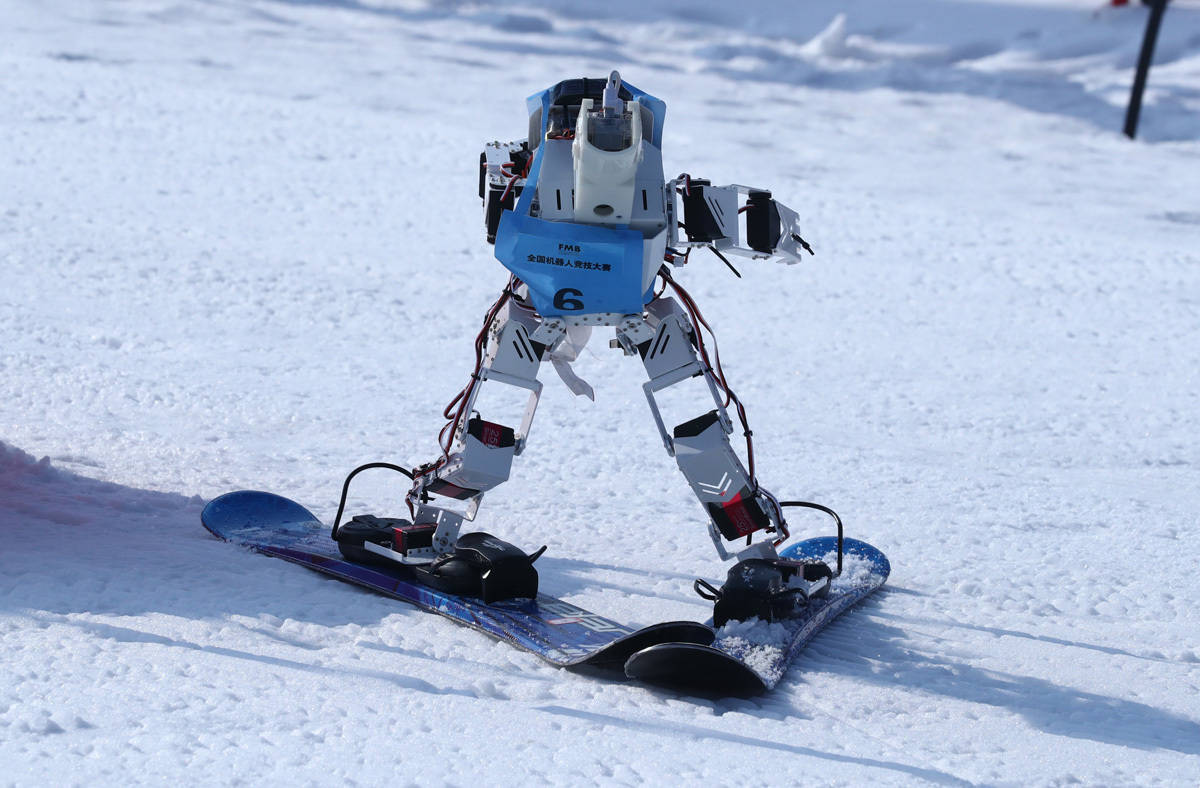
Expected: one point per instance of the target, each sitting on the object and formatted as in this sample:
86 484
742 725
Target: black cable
725 260
796 237
337 520
831 513
1145 57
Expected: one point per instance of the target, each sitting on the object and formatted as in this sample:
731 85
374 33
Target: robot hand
759 228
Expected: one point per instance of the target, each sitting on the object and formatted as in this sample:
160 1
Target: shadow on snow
886 655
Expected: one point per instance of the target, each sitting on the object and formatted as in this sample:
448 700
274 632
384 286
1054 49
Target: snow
240 248
757 643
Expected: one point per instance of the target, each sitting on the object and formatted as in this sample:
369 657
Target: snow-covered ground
240 247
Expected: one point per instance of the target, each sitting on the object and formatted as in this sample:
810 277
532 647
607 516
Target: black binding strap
337 520
836 519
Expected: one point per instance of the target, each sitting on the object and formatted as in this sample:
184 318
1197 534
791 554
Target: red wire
514 176
508 188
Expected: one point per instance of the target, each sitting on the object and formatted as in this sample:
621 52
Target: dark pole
1157 7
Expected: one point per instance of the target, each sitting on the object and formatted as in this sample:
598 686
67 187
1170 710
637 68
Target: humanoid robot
583 218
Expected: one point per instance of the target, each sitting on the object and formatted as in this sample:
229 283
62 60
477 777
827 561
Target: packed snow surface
240 247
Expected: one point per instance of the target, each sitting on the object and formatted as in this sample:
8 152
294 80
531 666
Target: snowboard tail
749 657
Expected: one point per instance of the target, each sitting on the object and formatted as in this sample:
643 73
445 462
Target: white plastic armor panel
556 182
649 198
604 179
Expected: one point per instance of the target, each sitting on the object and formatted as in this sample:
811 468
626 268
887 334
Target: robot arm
736 219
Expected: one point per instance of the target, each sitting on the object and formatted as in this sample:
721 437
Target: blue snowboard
748 658
554 630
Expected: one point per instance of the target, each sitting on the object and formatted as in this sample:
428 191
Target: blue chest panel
573 268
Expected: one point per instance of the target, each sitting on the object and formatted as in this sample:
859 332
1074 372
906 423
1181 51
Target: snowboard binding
368 539
485 567
770 589
481 565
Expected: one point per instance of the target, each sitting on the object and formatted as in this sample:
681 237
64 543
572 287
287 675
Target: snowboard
739 659
557 631
750 657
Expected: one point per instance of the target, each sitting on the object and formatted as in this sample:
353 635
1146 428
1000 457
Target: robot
589 229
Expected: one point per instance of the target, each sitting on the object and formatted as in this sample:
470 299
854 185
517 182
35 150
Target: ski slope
240 247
